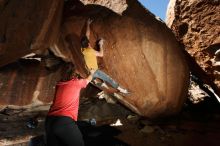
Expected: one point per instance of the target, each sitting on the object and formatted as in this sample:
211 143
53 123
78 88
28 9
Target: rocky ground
195 125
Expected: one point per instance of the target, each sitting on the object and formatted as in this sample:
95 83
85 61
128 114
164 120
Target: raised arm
100 53
88 23
89 78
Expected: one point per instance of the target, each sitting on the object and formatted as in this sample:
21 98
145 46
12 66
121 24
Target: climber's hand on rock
89 21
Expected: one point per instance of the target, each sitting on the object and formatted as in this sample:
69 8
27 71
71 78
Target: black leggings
62 131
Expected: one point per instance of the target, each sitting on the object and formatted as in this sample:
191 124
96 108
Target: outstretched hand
101 42
89 21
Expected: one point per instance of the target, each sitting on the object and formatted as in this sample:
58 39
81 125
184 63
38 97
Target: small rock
133 117
147 129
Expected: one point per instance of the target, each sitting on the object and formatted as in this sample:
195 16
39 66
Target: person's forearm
89 78
88 30
101 51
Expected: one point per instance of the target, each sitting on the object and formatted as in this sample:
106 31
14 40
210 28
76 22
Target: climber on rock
90 56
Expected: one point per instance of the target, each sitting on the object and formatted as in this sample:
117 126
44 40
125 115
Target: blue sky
158 7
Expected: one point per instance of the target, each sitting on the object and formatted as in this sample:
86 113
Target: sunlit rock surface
118 6
196 25
141 53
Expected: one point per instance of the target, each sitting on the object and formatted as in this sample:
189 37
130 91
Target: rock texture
141 53
27 82
196 24
118 6
27 26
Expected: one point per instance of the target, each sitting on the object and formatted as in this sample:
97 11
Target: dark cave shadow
103 135
77 8
37 141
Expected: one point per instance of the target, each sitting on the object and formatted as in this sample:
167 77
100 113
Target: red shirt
66 101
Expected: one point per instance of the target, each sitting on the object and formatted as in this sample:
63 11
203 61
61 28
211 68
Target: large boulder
196 25
27 27
141 53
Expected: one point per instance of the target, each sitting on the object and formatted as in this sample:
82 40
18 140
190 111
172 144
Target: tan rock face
196 25
141 54
118 6
27 82
170 15
27 26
